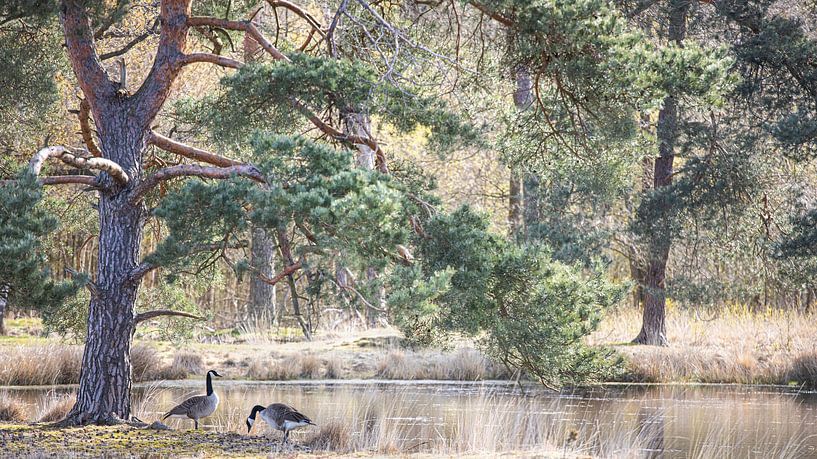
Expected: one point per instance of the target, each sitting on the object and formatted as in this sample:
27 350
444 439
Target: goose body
199 406
280 417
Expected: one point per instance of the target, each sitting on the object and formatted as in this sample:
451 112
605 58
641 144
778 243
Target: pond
427 416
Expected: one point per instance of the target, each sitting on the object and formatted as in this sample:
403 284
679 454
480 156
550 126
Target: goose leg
286 436
196 423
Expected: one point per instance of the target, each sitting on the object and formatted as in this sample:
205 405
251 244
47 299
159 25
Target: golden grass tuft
11 409
311 366
56 408
334 436
40 365
334 370
145 362
184 364
271 370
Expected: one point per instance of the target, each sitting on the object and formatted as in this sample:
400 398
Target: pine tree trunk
522 99
653 327
105 379
262 294
361 125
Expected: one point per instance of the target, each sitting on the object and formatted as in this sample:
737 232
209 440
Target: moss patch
38 440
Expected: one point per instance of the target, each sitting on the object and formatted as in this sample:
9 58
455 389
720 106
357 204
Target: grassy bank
736 346
31 440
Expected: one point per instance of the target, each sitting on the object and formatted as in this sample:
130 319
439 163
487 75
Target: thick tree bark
105 379
653 327
123 123
262 294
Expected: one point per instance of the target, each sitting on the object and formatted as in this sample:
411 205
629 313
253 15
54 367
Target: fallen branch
141 317
62 153
187 151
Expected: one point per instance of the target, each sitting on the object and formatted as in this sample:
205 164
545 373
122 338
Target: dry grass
332 436
184 364
297 366
737 346
12 410
56 408
145 361
334 370
40 365
271 370
463 365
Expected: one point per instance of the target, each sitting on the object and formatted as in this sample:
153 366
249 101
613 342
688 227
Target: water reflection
611 421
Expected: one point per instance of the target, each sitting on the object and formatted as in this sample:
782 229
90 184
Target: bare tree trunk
105 379
286 255
123 123
262 259
653 328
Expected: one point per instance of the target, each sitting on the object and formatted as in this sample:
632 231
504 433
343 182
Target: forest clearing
374 228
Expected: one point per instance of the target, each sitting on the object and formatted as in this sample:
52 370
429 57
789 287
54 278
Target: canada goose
281 417
199 406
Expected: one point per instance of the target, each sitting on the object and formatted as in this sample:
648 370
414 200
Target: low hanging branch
89 180
195 170
62 153
141 317
187 151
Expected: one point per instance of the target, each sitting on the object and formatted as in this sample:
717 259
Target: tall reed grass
737 345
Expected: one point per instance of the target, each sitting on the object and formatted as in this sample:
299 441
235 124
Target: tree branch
143 316
211 59
85 128
132 43
506 21
89 180
316 26
280 276
195 170
167 144
167 63
79 41
100 164
245 26
249 28
141 270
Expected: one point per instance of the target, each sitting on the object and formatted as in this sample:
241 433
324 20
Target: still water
611 421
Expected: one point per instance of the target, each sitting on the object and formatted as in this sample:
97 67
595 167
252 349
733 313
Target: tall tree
653 327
